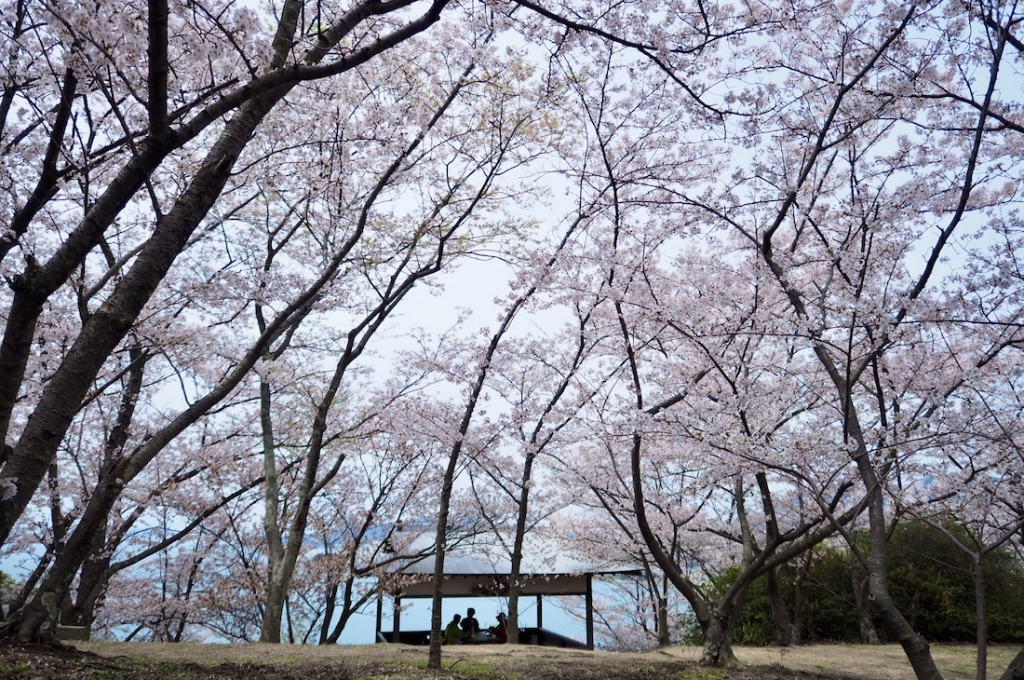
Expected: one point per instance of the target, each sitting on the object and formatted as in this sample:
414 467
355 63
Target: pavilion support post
540 611
397 621
590 611
380 617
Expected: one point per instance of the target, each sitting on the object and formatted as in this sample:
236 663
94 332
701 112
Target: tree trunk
664 635
273 613
780 612
38 618
329 600
981 613
273 602
434 658
868 632
283 553
95 567
92 583
718 642
914 646
517 553
347 610
799 597
434 655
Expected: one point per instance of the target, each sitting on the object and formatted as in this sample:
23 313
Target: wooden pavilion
484 570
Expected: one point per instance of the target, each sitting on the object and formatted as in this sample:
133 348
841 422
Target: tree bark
799 596
92 583
780 612
981 613
273 601
434 655
514 586
37 620
664 634
916 647
718 642
348 608
859 584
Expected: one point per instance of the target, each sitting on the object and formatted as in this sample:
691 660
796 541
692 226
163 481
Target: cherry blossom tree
700 359
791 248
897 338
543 398
474 384
398 470
466 158
132 158
859 156
977 504
139 134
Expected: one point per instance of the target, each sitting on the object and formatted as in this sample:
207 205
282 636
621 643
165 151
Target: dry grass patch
151 661
882 662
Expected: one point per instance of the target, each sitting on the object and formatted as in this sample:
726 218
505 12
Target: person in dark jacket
470 624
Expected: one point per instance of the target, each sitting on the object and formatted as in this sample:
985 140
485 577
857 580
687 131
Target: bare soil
148 661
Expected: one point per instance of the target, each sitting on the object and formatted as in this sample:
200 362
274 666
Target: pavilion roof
541 556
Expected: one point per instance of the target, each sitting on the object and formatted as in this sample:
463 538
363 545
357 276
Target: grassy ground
141 661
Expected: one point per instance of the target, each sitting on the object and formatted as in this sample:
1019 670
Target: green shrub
929 578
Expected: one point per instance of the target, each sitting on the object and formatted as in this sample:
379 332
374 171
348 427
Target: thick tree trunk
92 583
718 643
36 622
273 613
914 646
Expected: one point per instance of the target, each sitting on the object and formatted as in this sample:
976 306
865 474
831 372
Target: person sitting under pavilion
500 631
470 624
453 635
